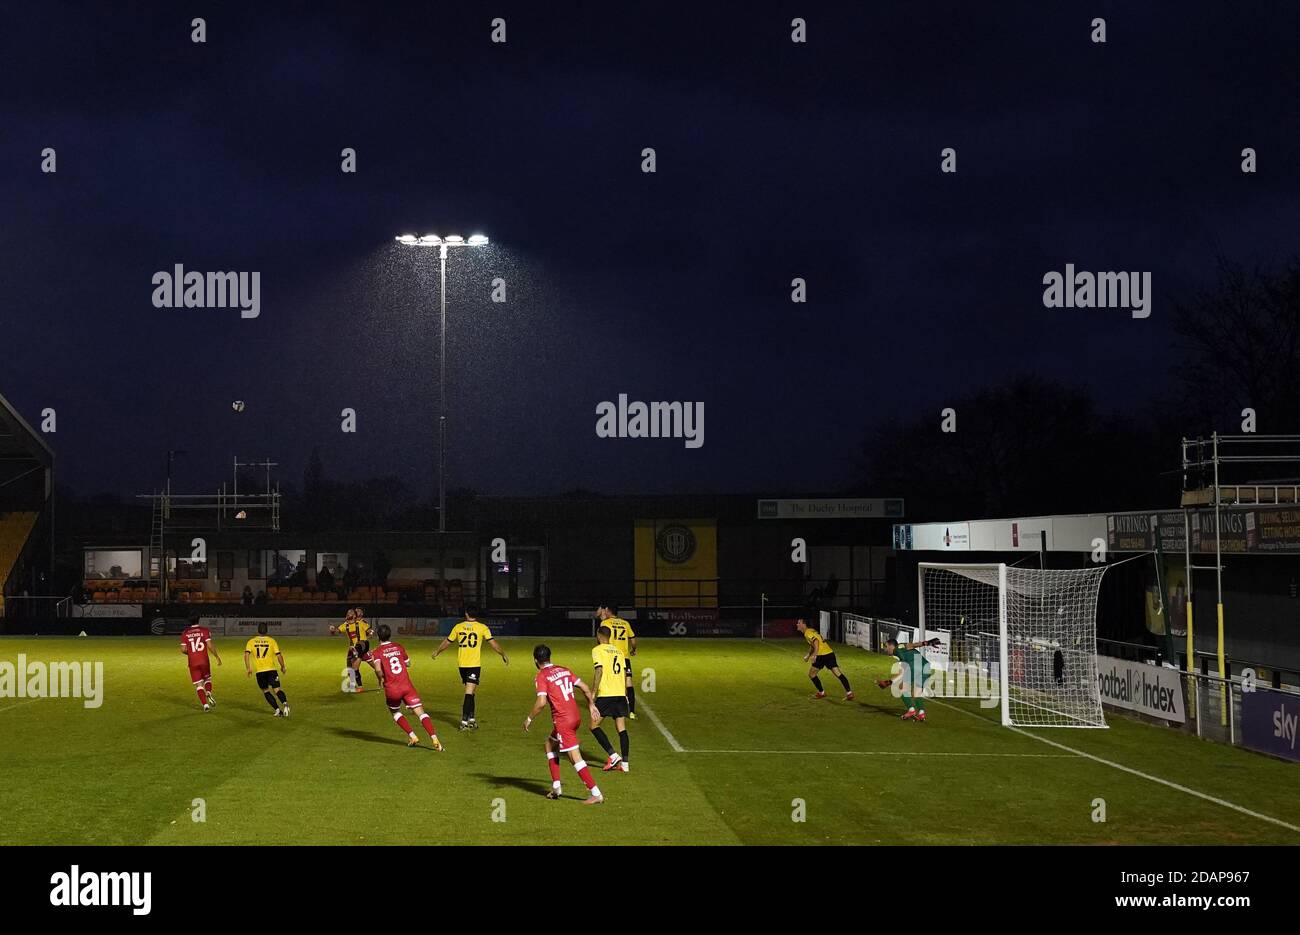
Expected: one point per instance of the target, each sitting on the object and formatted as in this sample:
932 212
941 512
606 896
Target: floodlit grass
752 739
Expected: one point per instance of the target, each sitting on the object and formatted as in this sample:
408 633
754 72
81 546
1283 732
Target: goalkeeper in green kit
915 673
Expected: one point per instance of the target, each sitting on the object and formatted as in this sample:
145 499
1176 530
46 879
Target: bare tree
1242 341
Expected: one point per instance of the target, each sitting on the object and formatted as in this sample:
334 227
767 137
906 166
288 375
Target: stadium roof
22 451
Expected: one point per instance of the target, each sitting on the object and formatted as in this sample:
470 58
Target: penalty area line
668 735
1179 787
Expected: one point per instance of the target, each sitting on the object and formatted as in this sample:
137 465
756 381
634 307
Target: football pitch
729 748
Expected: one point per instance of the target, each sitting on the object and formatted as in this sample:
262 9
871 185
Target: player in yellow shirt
622 637
357 630
262 655
611 695
823 657
469 636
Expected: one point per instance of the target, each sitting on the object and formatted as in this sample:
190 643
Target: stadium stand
26 482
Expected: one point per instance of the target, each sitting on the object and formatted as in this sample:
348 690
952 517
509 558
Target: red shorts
401 697
566 735
200 673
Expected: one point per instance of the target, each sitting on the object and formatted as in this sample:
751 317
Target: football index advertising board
1135 686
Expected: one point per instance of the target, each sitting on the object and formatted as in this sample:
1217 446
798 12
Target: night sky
775 160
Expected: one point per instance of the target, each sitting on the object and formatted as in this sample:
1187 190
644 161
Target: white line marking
1124 769
654 719
1136 772
1034 756
18 705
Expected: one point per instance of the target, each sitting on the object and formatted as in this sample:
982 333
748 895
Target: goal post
1020 639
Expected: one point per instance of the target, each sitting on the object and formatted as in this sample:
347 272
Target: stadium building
26 514
1196 613
681 565
1249 568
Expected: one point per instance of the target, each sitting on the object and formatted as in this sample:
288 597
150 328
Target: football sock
603 740
280 694
920 703
907 700
554 765
402 722
844 680
585 774
465 704
207 686
471 705
270 699
428 725
631 698
203 699
818 683
622 743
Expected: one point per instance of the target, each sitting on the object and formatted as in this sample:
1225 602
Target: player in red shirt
196 644
392 664
556 684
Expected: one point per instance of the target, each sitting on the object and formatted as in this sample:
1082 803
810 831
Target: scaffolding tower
227 508
1213 470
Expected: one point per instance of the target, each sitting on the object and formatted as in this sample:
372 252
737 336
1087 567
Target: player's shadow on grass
343 698
889 710
352 734
539 786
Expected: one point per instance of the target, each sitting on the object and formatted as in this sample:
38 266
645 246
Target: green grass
338 771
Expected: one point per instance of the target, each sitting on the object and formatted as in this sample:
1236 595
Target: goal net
1023 639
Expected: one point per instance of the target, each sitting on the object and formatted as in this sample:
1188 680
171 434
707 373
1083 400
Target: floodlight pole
442 390
432 240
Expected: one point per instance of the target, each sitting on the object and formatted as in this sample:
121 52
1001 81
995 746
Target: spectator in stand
247 597
299 577
261 598
325 579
